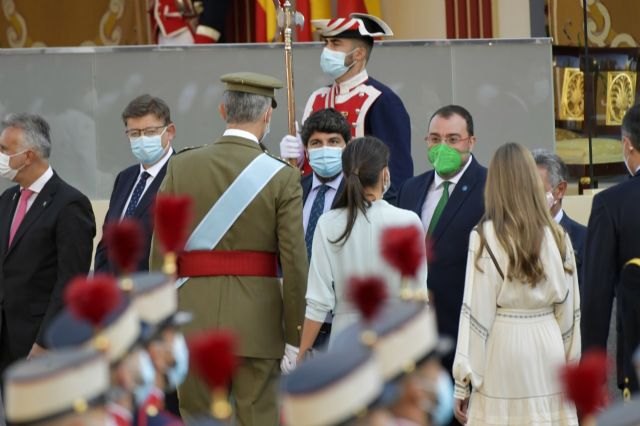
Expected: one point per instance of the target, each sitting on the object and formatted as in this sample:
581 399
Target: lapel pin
44 204
464 188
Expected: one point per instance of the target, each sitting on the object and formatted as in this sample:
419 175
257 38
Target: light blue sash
224 213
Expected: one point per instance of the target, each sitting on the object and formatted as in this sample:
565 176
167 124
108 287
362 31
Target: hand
288 363
36 350
460 410
291 147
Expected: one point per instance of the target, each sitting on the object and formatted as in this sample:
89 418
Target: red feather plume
92 299
368 294
212 354
585 383
404 248
172 216
124 244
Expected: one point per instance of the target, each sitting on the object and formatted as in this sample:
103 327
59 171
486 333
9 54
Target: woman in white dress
346 242
520 318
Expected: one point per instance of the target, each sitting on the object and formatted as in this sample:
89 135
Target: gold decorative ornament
80 405
220 406
17 29
110 33
572 99
369 338
621 94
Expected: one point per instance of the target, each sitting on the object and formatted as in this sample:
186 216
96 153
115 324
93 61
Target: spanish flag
265 21
345 7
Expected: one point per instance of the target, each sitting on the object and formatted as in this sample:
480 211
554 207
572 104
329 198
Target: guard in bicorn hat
405 340
154 298
61 388
121 337
247 219
332 388
370 107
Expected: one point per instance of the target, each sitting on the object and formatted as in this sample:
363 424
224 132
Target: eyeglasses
149 131
450 140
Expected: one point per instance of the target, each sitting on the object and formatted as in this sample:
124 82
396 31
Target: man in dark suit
46 237
612 240
449 200
554 174
148 125
324 135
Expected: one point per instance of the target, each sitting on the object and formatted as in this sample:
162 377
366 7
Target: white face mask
551 201
386 183
5 169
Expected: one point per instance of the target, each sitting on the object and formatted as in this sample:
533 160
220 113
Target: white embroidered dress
513 338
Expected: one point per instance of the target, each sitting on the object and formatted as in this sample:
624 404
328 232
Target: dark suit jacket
52 245
125 181
613 237
450 241
629 297
577 234
307 182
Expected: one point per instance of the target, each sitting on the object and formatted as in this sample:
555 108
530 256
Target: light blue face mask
178 372
442 413
146 380
148 149
332 62
326 162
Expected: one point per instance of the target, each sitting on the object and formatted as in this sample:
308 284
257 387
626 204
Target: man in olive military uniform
247 216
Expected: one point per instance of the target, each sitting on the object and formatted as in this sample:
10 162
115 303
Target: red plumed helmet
92 299
585 383
172 214
124 244
368 294
404 248
212 355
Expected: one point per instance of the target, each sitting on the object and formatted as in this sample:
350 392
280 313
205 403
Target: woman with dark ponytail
346 242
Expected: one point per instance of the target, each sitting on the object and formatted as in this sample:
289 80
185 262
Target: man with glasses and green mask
449 201
149 132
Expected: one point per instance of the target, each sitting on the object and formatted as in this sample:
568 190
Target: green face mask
445 160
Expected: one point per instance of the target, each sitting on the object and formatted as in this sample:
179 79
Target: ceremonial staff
287 19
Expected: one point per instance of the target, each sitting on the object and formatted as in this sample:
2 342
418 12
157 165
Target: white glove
291 147
288 363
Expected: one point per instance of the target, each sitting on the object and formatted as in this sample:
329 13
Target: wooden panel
33 23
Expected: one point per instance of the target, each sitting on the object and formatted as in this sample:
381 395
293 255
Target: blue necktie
137 194
317 208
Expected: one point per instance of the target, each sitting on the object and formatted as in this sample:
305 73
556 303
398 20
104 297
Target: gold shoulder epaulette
189 148
282 160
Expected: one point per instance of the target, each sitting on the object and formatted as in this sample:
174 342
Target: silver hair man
35 131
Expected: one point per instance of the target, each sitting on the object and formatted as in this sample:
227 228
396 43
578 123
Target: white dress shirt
435 192
329 196
558 216
241 134
153 172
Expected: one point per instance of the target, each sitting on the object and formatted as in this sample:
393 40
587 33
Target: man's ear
223 112
269 114
561 190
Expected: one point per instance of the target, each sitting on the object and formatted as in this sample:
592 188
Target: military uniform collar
353 82
241 134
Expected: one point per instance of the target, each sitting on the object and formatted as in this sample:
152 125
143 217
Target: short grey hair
35 130
244 107
556 168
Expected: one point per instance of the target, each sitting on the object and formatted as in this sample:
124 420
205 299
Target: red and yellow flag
265 21
345 7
